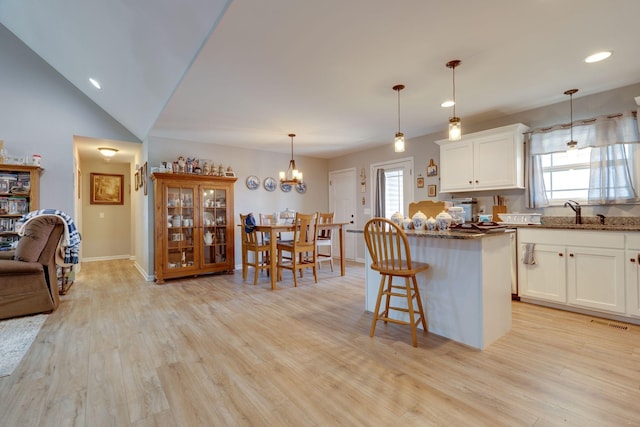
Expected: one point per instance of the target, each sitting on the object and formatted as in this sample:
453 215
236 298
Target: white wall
41 112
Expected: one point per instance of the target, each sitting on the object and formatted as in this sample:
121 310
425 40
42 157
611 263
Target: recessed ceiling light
446 104
596 57
95 83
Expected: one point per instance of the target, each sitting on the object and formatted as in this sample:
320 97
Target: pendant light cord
453 73
398 110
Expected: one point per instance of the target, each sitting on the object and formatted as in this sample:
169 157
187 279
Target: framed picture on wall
420 181
431 190
106 189
432 169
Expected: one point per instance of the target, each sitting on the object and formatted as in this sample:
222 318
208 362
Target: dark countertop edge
465 235
592 227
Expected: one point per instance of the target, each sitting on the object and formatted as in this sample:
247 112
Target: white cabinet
632 261
487 160
595 278
574 267
546 279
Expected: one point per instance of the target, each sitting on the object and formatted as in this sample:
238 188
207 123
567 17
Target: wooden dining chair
324 243
252 242
391 257
303 248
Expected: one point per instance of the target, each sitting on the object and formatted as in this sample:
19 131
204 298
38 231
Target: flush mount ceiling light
95 83
597 57
107 152
292 176
455 129
571 144
398 145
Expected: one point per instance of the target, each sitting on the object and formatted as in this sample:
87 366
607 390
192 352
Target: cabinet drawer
583 238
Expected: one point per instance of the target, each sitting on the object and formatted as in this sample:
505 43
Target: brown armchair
28 280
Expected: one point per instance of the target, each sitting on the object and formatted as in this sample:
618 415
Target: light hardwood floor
217 351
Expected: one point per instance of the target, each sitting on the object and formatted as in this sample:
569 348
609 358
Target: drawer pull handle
571 255
632 260
560 254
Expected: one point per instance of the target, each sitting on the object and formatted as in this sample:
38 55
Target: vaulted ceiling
248 72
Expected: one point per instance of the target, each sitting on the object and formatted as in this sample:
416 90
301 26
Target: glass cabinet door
180 227
214 225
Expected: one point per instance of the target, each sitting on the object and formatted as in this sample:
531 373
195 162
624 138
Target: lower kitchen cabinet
576 268
546 279
632 262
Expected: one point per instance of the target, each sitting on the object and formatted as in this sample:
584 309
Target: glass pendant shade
398 145
455 129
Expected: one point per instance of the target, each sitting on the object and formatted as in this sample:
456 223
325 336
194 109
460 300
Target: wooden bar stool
391 257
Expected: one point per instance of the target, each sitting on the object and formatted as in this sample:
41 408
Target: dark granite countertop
619 223
461 235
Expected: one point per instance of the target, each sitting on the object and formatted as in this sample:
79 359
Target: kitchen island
466 292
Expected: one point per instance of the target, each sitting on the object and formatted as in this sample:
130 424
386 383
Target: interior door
342 201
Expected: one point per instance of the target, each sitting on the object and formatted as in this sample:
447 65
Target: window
393 197
391 190
566 175
604 169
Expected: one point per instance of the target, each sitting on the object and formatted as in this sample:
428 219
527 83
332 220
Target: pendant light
398 145
455 129
292 175
571 144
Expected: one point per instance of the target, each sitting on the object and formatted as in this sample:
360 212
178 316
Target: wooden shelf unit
194 228
15 203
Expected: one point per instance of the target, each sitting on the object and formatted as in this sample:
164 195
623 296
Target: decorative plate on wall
253 182
270 184
301 187
285 187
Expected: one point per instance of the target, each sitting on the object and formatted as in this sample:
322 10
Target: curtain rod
582 122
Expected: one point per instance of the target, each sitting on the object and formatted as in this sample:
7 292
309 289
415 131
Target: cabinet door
633 283
595 278
215 223
546 279
181 253
456 166
494 162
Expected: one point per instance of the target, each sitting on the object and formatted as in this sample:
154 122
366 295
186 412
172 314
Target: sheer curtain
614 141
379 204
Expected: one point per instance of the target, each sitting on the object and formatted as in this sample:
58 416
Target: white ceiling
248 72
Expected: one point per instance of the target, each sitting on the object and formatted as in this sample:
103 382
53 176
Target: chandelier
292 175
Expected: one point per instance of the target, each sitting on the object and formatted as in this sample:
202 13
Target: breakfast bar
467 290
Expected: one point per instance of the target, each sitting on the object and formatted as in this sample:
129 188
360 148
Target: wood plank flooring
217 351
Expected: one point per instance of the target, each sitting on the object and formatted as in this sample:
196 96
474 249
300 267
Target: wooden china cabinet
193 225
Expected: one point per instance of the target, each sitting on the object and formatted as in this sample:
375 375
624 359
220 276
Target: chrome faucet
575 206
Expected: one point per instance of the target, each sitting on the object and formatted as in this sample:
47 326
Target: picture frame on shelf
106 189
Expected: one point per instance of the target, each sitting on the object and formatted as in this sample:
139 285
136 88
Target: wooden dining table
272 231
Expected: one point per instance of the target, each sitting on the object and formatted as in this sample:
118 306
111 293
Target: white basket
520 218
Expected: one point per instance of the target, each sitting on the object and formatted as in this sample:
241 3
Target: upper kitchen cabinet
489 160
